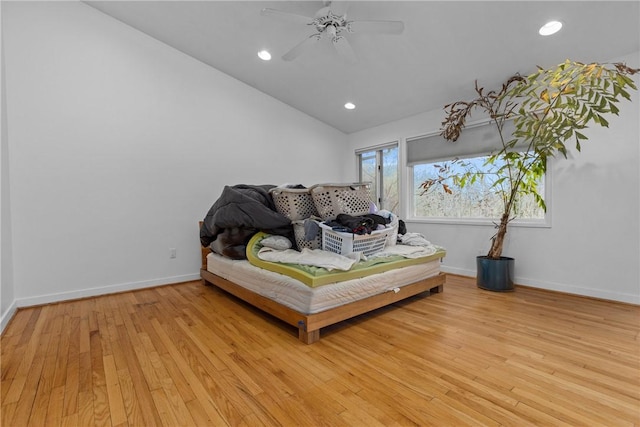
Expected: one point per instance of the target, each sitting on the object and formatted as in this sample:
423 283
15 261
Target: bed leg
307 337
437 289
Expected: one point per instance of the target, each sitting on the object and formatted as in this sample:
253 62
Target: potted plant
549 109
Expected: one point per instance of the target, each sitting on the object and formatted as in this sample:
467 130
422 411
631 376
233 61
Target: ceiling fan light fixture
549 28
350 106
332 31
264 55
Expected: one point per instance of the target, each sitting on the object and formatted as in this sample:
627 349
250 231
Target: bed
310 308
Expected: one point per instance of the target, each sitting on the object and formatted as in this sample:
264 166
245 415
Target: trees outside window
477 200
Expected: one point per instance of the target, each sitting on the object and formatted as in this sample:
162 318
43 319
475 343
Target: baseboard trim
8 315
131 286
558 287
105 290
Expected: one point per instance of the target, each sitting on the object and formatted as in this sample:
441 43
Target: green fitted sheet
317 276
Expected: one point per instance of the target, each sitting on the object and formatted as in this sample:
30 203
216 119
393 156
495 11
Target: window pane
390 200
368 168
474 201
380 168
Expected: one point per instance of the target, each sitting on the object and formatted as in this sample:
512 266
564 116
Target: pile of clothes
361 224
243 210
239 213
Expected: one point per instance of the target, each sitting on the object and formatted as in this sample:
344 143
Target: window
379 166
477 202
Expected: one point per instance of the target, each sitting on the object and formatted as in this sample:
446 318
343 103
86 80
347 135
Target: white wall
592 247
119 144
7 299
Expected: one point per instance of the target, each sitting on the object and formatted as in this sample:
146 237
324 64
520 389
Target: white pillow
280 243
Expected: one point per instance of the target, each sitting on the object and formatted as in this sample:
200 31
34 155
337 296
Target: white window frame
517 222
379 170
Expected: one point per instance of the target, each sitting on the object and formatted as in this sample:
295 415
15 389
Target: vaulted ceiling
445 47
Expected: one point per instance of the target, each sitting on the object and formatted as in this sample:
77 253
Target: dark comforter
240 212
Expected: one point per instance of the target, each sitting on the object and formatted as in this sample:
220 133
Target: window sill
532 223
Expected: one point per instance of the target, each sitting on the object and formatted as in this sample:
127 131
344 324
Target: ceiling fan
331 22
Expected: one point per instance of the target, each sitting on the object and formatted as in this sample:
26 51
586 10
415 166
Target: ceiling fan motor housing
333 24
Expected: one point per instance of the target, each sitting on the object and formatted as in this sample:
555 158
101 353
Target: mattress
309 300
318 276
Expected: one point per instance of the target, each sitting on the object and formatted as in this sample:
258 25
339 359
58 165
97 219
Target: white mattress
304 299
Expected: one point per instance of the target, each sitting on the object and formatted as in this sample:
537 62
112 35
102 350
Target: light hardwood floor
192 355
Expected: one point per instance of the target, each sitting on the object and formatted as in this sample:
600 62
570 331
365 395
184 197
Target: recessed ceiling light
549 28
349 105
264 55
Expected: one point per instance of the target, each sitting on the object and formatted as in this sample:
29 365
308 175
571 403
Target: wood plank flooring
190 355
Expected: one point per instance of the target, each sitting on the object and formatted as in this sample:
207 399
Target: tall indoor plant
549 109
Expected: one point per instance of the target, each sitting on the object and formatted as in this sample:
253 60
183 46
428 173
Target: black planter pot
495 274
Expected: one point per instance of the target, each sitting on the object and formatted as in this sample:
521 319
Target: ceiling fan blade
300 47
322 12
382 27
291 17
339 8
345 50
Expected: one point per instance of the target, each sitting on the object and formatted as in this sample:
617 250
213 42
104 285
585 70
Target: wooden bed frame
309 324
